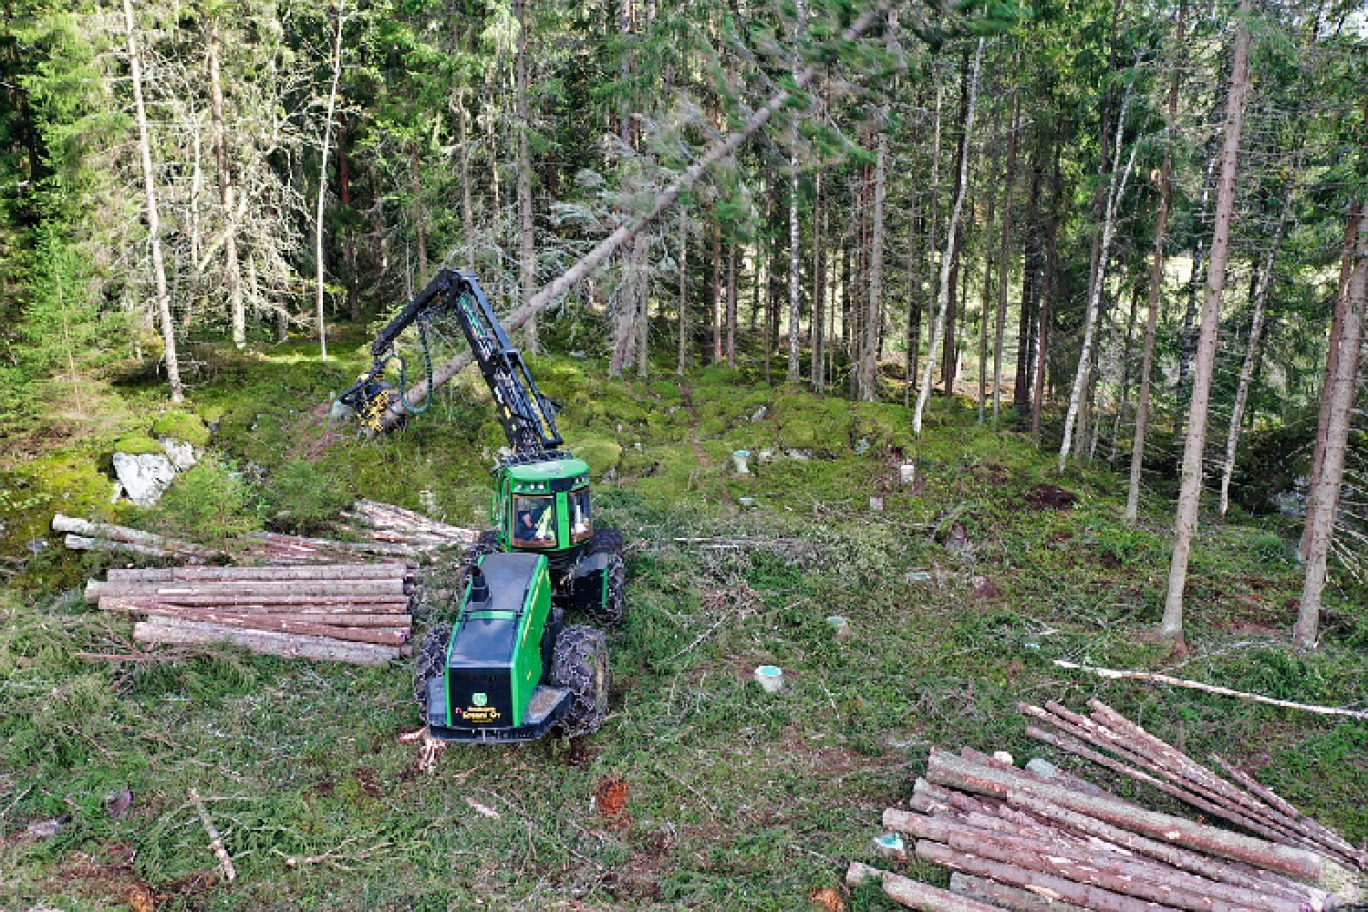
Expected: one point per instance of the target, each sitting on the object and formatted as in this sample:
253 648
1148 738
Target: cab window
534 522
581 521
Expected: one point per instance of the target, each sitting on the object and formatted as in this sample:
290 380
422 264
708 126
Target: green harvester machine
507 667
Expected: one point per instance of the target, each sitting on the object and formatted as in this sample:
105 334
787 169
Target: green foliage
137 442
210 503
302 498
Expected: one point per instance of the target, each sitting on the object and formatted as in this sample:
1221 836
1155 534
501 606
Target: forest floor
700 791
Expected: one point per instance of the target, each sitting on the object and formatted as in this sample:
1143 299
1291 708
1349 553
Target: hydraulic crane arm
527 416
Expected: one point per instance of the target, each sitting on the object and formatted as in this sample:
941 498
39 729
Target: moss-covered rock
137 443
181 426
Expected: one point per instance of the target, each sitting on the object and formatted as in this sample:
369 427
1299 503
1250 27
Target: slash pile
1038 838
357 613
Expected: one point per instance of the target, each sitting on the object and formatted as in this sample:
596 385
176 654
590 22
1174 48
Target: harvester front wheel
611 606
431 664
580 665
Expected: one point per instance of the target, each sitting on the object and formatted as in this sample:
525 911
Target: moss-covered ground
700 791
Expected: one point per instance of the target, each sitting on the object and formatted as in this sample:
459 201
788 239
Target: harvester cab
507 668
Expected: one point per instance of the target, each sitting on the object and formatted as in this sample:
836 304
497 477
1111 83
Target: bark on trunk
527 253
1004 258
1256 336
1185 523
340 19
869 379
1156 286
951 233
163 299
238 315
1324 498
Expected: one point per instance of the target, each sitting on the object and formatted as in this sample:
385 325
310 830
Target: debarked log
1133 876
913 894
288 645
1046 885
947 770
387 571
1017 899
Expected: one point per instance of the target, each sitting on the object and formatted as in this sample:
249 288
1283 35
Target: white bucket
770 678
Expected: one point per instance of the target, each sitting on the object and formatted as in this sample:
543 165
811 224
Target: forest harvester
507 667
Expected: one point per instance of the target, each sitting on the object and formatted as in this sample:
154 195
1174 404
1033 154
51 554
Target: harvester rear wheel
581 665
431 663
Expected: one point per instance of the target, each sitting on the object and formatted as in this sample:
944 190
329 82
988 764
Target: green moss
601 453
181 426
136 443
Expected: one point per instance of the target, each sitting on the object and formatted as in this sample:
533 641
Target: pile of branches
1039 838
356 613
376 530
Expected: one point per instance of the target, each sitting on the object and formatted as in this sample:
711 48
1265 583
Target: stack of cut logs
382 530
358 613
1038 838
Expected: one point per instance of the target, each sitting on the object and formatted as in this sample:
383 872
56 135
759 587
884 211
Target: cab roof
549 470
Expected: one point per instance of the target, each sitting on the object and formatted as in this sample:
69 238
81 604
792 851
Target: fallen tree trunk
1014 898
946 769
392 635
1131 876
271 574
76 542
62 523
585 267
1045 885
357 590
366 604
287 645
332 618
912 894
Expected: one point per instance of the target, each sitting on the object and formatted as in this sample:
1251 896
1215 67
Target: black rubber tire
611 611
431 662
604 541
581 665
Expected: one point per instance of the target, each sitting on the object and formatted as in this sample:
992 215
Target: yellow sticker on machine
480 714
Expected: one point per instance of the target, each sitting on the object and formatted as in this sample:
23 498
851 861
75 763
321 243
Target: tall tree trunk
683 364
1188 335
339 17
1049 283
586 265
1354 226
933 241
1156 282
1004 256
869 375
1032 279
731 302
819 264
168 329
419 208
1185 524
349 244
467 203
952 231
985 303
795 304
1123 403
1324 497
1256 334
237 312
950 338
715 290
527 250
915 224
1095 293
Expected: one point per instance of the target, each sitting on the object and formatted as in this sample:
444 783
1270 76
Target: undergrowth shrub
305 499
209 503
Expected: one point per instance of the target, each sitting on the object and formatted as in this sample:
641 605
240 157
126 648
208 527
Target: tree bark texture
163 298
1190 492
339 18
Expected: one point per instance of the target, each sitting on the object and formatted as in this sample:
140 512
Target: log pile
357 613
380 530
1039 839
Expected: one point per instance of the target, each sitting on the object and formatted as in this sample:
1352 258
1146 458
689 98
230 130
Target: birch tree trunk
1255 336
238 315
938 327
1190 492
173 377
340 16
1094 298
1324 497
1156 285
